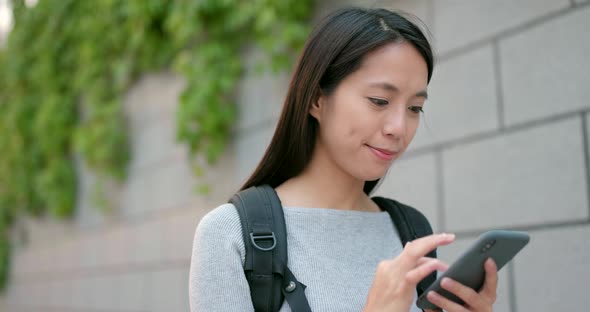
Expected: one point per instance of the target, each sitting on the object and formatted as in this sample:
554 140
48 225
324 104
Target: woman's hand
395 281
474 302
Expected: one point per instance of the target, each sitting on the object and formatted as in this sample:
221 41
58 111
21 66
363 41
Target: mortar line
515 30
495 133
107 270
526 228
586 158
497 63
440 189
430 20
511 287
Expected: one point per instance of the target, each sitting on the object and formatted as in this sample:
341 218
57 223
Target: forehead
397 63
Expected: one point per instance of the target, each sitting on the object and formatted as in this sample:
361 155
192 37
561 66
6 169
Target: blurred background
123 122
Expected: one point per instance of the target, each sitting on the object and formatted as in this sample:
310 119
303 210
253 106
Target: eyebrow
389 87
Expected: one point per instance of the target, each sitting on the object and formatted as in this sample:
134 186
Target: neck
323 184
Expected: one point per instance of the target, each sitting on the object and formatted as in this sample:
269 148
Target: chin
373 174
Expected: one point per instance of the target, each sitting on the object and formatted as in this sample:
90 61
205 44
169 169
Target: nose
395 124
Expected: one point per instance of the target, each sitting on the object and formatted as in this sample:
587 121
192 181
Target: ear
317 106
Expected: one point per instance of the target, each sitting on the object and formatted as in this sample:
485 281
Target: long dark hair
333 51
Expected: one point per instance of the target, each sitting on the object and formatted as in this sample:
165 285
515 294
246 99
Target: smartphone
468 270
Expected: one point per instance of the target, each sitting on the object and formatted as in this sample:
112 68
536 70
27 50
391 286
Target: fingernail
446 282
432 296
492 262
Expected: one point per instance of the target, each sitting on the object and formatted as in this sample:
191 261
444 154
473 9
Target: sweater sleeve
216 278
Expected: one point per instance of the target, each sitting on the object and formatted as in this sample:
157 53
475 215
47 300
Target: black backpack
265 239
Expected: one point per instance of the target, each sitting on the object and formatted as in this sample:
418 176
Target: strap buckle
254 238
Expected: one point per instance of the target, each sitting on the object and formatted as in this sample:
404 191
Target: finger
491 282
467 294
418 248
423 260
419 273
445 303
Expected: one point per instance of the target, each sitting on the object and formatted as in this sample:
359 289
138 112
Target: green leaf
66 67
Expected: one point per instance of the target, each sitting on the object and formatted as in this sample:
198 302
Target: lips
383 154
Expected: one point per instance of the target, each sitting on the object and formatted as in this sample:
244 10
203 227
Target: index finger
418 248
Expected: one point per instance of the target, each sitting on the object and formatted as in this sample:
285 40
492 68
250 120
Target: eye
379 102
416 109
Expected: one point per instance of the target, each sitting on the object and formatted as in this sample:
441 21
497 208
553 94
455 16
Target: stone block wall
503 144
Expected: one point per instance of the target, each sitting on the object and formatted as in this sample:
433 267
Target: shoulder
220 229
216 267
223 218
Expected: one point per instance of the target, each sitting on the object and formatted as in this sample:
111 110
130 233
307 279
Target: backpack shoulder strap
411 224
265 241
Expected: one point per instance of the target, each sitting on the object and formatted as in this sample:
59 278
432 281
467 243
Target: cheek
339 130
344 120
352 131
354 125
356 118
348 122
412 129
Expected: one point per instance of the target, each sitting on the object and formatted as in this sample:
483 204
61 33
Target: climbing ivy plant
67 64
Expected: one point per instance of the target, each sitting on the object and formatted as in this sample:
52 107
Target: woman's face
369 120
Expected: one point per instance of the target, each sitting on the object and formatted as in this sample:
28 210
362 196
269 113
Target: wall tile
551 274
517 179
250 148
542 69
168 290
151 98
260 95
482 19
459 104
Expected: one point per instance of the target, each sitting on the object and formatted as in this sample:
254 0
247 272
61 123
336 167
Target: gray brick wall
506 129
137 258
463 99
503 144
534 59
461 23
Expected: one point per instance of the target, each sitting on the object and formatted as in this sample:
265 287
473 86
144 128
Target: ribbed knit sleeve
216 280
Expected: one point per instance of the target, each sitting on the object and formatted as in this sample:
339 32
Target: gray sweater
334 252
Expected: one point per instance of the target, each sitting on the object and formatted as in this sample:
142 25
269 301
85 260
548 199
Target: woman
352 108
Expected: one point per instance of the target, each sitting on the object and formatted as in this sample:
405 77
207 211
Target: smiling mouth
383 154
